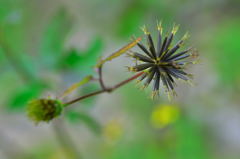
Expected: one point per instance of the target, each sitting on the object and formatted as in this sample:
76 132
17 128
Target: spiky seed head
44 110
164 64
145 30
159 27
175 29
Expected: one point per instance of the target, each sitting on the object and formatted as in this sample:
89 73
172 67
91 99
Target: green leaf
83 61
19 100
90 122
70 60
55 36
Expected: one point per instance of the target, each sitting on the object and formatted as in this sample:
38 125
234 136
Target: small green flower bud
44 110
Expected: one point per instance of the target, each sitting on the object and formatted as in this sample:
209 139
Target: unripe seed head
44 110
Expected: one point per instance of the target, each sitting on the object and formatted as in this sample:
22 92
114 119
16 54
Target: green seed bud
44 110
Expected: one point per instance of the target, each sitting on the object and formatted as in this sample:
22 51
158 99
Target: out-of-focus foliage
82 117
113 131
164 115
46 46
226 48
55 37
83 61
23 95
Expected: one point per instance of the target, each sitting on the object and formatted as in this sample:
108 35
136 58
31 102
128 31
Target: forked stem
104 89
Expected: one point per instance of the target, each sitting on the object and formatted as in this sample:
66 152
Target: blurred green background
46 45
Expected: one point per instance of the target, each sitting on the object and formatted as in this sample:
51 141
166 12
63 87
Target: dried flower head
44 110
165 62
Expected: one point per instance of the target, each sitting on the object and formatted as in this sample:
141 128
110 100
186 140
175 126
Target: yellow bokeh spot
113 130
164 115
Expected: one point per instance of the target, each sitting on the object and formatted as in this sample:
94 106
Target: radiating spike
194 54
179 71
182 64
141 57
175 65
162 75
175 29
162 47
143 77
175 48
156 85
169 82
177 75
157 81
150 77
166 49
140 67
151 45
169 76
145 31
169 96
185 36
144 49
178 54
170 38
159 27
181 57
149 41
159 43
154 94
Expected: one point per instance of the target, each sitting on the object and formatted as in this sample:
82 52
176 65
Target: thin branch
85 96
126 81
104 90
101 78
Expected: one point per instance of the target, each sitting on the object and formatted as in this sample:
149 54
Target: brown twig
104 90
101 78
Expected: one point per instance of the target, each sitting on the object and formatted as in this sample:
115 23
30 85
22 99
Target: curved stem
104 90
101 78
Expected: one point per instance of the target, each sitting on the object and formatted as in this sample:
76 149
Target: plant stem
101 78
103 90
83 97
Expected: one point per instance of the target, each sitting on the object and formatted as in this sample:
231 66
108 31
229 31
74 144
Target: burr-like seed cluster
164 62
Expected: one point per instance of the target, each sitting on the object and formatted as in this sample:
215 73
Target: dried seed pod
165 63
